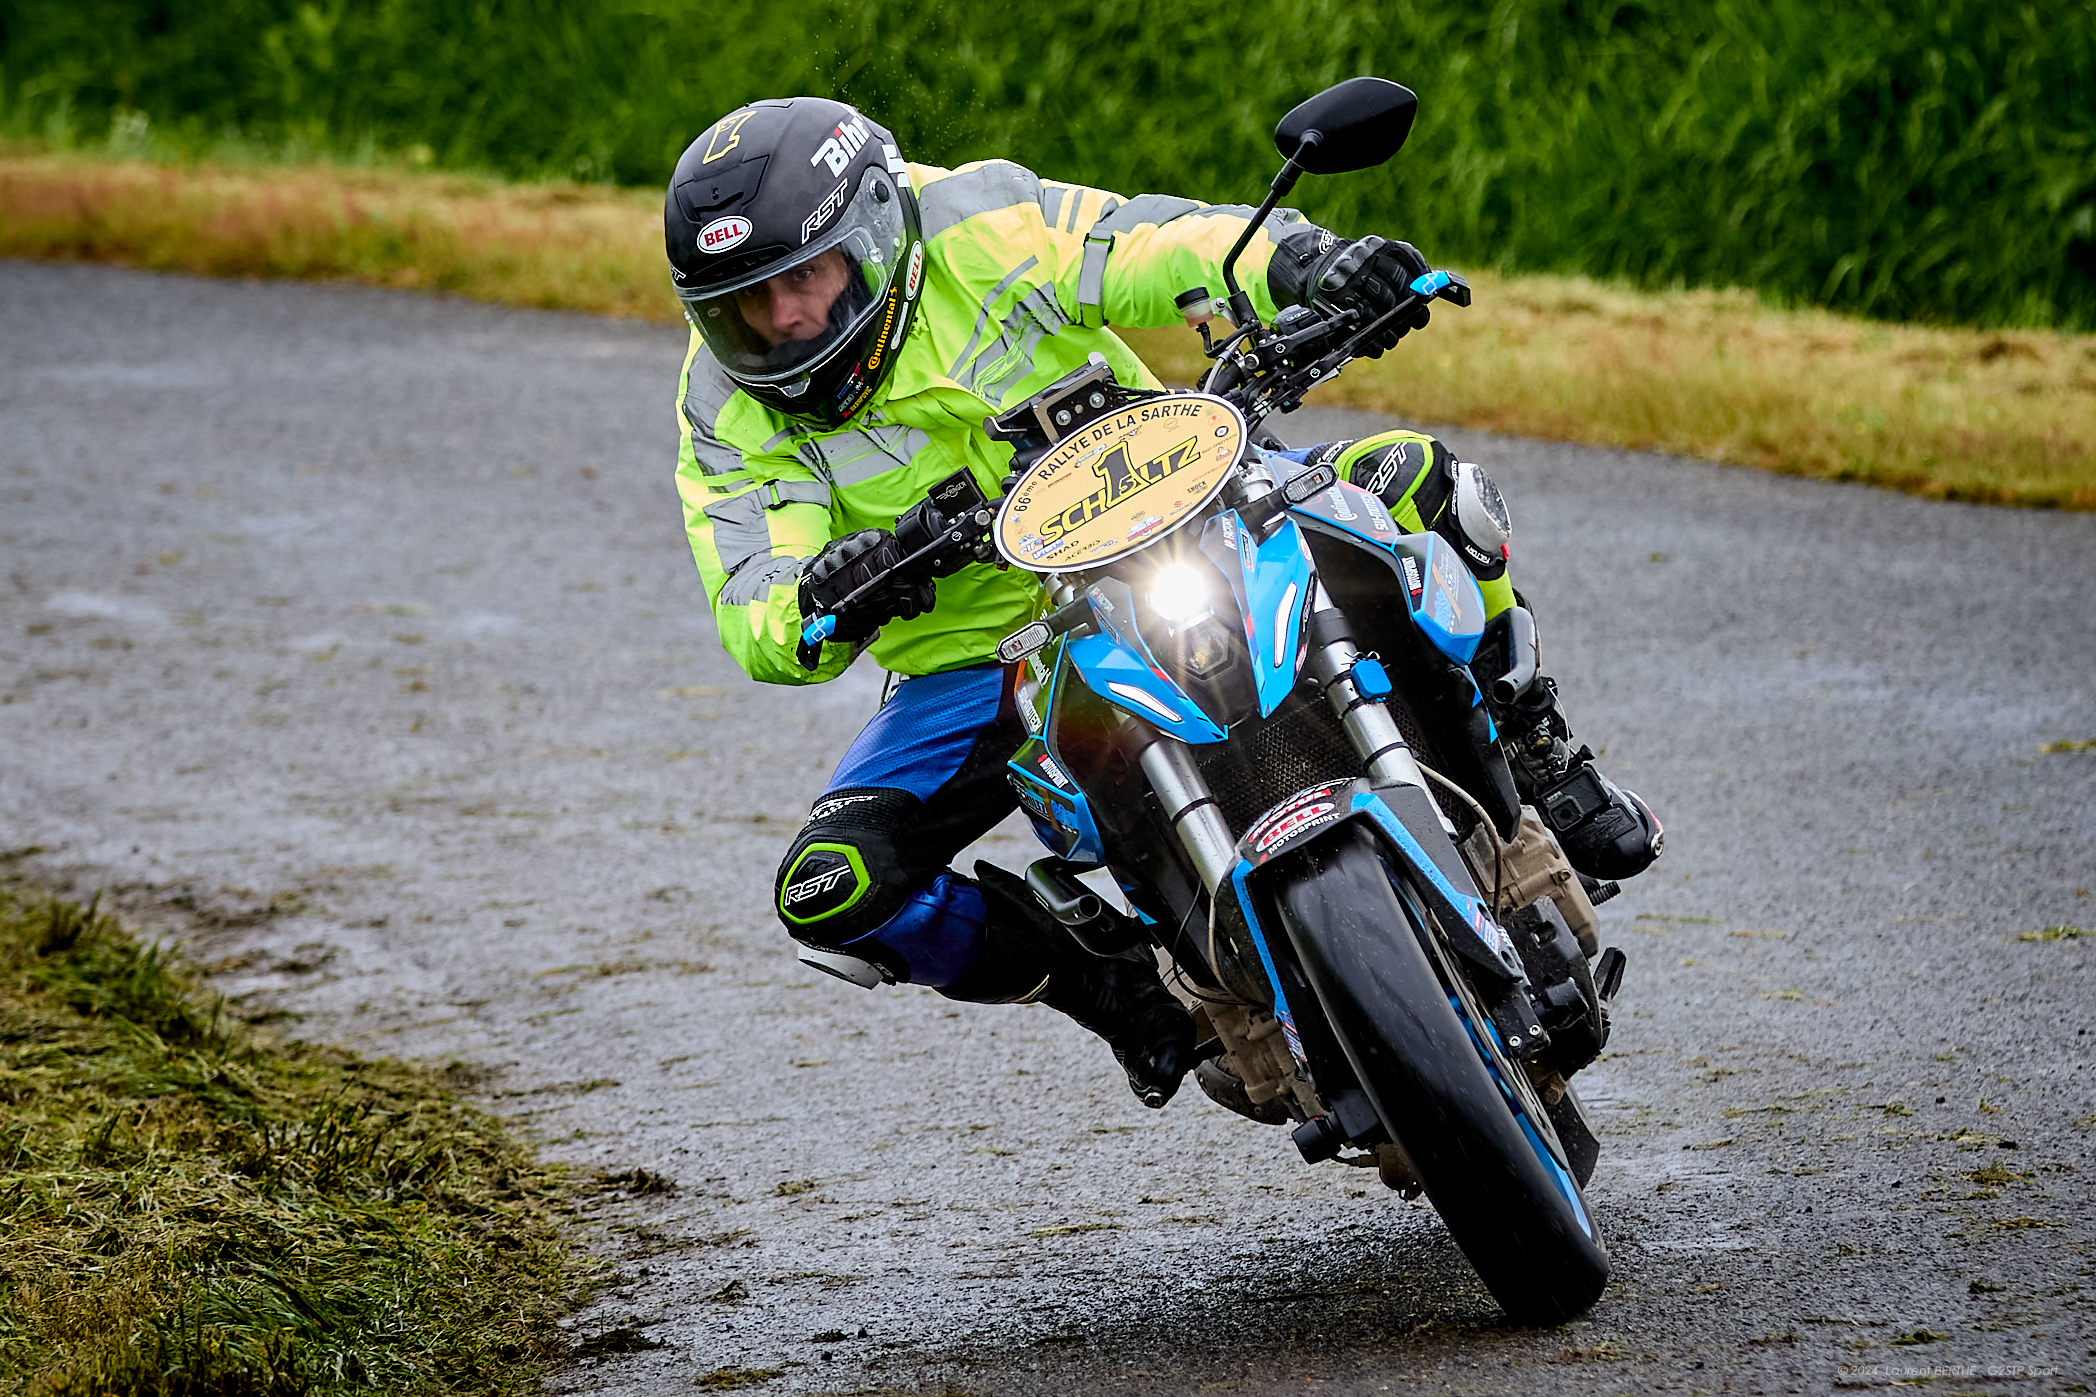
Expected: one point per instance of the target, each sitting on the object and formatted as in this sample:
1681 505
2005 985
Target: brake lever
1428 286
1323 368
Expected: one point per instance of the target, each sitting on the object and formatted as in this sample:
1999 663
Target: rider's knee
844 875
1392 465
1426 487
851 883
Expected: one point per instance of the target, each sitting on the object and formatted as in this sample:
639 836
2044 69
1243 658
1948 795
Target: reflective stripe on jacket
1022 278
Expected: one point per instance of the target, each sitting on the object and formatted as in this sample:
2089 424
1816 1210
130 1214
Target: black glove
1368 276
847 564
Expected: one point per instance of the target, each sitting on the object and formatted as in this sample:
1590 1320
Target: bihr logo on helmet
723 233
844 142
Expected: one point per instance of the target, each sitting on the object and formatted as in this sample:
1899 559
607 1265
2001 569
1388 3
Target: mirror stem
1240 303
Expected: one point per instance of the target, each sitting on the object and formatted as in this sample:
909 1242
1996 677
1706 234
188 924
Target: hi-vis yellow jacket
1022 278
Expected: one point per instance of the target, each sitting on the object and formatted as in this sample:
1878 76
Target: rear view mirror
1360 124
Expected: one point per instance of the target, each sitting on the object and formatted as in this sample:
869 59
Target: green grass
2053 933
189 1209
1932 160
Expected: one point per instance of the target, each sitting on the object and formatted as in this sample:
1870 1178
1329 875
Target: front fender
1407 823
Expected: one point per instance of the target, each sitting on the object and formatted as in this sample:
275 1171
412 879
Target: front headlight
1178 594
1208 649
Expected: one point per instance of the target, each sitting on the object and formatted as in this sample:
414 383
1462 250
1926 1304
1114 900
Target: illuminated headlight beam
1178 594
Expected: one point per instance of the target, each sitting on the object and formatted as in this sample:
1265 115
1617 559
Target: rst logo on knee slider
825 880
816 886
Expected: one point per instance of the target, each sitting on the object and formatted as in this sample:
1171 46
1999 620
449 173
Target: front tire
1495 1177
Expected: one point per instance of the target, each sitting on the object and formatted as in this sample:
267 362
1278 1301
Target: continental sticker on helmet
723 233
1120 482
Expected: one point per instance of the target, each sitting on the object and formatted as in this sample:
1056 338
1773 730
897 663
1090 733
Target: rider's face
795 304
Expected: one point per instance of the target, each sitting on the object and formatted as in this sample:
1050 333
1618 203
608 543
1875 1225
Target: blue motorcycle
1261 708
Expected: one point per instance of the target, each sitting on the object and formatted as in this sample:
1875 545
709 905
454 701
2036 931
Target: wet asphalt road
351 638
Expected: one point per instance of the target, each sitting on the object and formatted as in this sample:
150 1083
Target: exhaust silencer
1098 928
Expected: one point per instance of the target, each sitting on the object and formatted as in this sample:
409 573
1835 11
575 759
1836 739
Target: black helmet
806 186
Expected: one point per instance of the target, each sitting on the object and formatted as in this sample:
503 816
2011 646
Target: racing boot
1029 957
1607 833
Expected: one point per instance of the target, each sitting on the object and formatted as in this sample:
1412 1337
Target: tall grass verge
190 1210
2005 417
1932 159
552 246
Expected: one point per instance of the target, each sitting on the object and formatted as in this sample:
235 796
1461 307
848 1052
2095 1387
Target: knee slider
844 874
1476 521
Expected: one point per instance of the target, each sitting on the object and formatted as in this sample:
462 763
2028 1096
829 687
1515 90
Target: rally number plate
1120 483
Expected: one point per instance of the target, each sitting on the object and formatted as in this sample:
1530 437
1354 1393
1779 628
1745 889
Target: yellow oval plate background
1120 482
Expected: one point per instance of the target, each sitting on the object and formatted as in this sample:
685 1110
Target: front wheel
1430 1065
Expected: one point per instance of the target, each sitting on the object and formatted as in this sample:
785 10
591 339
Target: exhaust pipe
1098 928
1522 657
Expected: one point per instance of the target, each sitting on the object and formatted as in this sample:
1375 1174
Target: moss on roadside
188 1208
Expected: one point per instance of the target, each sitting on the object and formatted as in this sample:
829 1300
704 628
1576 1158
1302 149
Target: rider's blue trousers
925 778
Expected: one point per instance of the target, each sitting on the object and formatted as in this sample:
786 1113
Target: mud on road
351 639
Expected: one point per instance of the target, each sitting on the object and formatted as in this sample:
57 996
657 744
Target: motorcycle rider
855 319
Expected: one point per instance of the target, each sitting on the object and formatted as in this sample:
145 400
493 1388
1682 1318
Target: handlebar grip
818 630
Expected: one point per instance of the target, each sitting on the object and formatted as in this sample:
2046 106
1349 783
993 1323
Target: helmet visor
778 326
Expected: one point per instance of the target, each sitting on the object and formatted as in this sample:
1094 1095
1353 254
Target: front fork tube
1368 723
1193 813
1203 831
1205 835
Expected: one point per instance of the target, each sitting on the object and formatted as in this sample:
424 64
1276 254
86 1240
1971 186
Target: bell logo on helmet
909 285
723 233
845 140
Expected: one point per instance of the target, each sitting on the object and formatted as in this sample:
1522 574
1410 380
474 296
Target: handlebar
965 533
1258 391
1244 380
